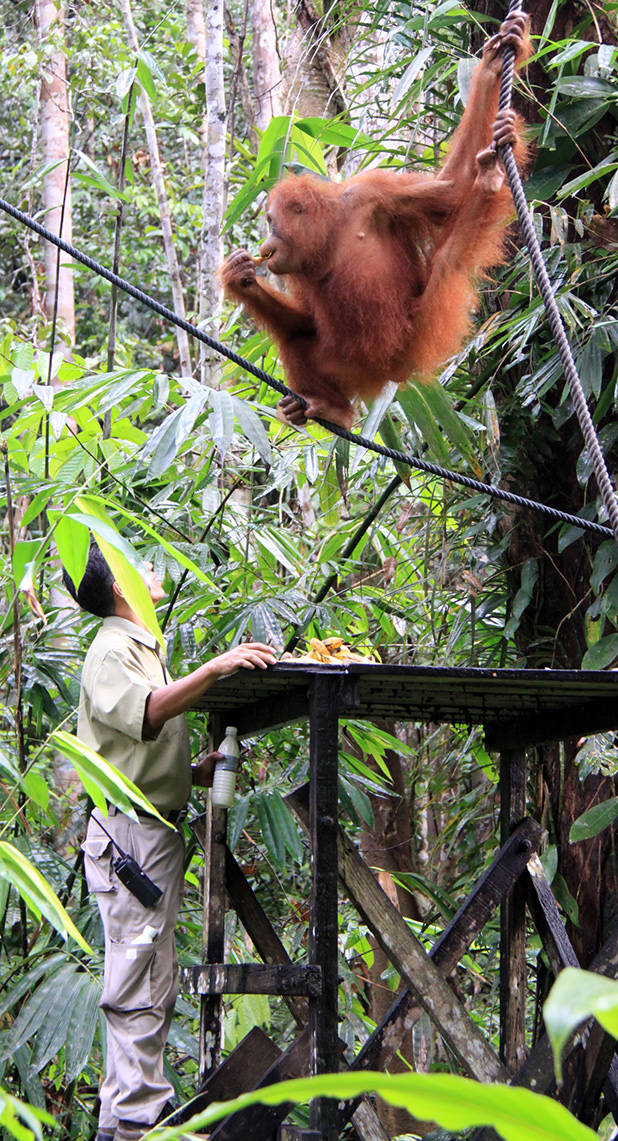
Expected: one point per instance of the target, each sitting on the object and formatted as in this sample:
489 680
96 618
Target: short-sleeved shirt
122 667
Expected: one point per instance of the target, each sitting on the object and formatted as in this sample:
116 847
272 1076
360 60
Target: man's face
155 587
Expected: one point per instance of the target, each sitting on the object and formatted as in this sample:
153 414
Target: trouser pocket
127 981
98 855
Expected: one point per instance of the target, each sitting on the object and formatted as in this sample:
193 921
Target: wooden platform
517 709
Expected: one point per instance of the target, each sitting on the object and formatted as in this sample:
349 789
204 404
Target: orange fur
381 270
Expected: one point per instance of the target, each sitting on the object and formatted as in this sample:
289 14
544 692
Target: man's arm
178 696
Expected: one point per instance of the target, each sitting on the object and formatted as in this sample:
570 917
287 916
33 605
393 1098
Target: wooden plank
513 967
547 917
537 1072
260 1122
454 942
414 965
259 929
425 982
323 923
211 1008
251 978
295 1133
241 1070
367 1123
577 720
289 706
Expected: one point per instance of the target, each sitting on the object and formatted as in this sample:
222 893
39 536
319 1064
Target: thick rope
549 300
265 377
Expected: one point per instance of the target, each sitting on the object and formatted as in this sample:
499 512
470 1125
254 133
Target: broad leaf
594 820
122 561
73 543
103 782
38 896
575 997
453 1102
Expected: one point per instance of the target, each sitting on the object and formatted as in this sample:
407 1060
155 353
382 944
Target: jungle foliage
245 519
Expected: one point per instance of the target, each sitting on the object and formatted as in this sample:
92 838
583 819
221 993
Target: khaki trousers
141 967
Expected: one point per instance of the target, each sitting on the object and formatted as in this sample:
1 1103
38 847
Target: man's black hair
95 593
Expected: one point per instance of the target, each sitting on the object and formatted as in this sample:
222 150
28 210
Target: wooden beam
513 967
290 706
422 977
595 716
251 978
547 917
211 1009
454 942
241 1070
323 923
260 930
260 1122
537 1072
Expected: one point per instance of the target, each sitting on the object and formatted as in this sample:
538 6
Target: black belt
174 816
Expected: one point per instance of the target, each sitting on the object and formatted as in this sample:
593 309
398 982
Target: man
131 712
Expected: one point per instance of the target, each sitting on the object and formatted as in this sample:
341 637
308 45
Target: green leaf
440 404
221 420
144 75
37 505
413 400
38 896
24 556
122 561
13 1112
252 427
26 983
37 788
575 997
285 825
586 87
73 543
594 820
391 437
172 434
103 782
601 654
270 834
81 1028
35 1010
453 1102
53 1030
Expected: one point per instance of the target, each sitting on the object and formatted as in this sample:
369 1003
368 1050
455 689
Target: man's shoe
105 1135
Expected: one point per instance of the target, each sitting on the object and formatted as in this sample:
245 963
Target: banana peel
331 651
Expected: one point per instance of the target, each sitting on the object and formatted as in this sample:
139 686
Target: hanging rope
549 300
394 454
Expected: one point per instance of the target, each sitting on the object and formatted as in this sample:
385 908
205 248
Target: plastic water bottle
224 783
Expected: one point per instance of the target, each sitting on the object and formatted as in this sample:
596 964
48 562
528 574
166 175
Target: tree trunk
156 168
213 135
313 78
266 70
55 119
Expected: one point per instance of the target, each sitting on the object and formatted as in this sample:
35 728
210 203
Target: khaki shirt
122 667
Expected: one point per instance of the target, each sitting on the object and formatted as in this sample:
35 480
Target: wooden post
323 761
211 1006
513 974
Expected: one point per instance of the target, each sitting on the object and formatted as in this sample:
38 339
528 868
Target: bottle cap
231 731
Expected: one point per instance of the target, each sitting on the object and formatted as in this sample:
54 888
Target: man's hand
203 773
246 656
177 696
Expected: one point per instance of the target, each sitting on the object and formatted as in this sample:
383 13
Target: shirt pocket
127 981
98 855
